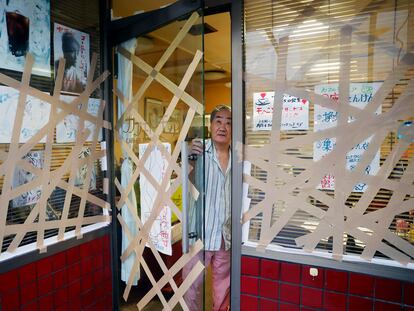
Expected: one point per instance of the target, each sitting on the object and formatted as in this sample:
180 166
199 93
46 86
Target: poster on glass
295 112
67 130
73 45
156 164
35 115
25 28
81 173
21 177
360 95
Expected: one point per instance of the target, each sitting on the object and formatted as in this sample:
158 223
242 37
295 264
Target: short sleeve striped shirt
217 200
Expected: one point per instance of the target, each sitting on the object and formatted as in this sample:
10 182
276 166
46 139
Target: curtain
125 70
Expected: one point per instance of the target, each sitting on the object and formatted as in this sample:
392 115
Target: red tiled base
359 304
290 293
250 266
288 286
389 290
249 285
55 282
268 305
361 285
334 301
249 303
311 297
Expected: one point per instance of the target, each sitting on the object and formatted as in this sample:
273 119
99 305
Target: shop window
329 128
53 185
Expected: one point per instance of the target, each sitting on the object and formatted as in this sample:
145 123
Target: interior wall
216 94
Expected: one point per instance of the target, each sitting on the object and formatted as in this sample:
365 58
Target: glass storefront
328 128
52 177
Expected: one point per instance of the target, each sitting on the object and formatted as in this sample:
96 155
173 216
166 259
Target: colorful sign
360 94
295 112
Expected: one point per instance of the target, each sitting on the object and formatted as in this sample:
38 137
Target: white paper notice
295 112
156 165
104 164
35 115
67 129
360 94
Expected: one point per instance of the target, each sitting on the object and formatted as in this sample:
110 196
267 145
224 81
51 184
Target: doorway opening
202 79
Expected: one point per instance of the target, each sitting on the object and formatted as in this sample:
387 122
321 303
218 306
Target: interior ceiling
217 45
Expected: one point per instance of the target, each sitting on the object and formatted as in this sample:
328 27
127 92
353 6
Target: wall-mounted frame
154 111
174 123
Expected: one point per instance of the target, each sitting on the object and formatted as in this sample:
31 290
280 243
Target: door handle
184 196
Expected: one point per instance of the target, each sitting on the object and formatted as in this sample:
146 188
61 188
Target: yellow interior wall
216 94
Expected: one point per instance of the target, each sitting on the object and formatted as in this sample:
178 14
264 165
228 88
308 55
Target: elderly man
216 176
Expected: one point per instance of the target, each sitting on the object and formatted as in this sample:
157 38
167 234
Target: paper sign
360 94
21 177
36 115
67 129
156 165
295 112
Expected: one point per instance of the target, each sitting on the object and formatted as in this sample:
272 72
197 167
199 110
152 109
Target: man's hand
196 146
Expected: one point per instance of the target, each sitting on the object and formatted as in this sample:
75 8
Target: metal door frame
117 31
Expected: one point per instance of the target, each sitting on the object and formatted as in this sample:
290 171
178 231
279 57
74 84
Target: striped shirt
217 189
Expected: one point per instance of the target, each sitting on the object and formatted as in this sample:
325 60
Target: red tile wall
268 285
79 278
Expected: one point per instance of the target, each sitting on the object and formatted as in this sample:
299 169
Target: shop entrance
170 74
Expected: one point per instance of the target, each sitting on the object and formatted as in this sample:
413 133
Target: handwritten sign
67 130
35 115
156 165
295 112
360 94
21 177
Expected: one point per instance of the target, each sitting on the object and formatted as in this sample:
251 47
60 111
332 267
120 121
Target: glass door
158 111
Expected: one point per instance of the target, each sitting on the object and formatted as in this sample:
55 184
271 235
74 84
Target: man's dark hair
69 43
218 109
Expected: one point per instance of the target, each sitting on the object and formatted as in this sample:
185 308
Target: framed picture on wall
175 122
154 111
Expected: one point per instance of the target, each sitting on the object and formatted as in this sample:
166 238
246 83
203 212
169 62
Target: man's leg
221 279
193 297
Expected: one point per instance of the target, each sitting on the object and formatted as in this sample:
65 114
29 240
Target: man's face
70 57
221 127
